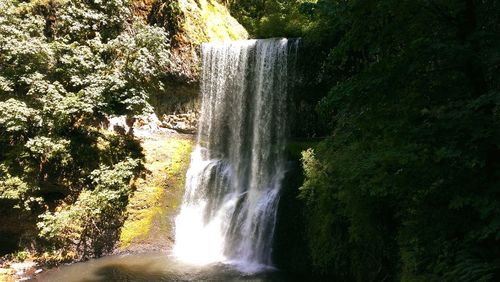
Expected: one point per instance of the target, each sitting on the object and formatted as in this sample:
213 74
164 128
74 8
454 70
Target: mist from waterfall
234 180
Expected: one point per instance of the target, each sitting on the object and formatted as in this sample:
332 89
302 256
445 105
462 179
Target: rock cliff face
189 23
142 8
192 22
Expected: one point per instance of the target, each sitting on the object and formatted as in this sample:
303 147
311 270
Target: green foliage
273 18
406 186
16 192
90 226
64 67
20 256
83 20
17 118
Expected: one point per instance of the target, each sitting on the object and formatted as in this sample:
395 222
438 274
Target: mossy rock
196 21
191 23
154 205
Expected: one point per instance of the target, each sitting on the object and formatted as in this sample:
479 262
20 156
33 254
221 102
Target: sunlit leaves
15 190
64 66
17 117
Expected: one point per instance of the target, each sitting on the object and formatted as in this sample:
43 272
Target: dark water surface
150 267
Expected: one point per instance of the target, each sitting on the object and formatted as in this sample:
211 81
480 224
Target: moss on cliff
190 23
153 206
207 20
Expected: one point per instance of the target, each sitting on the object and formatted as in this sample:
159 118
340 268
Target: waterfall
234 180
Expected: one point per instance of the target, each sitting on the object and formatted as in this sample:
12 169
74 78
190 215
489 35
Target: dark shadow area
8 243
290 245
178 97
15 228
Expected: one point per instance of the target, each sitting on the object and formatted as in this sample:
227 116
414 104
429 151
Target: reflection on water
149 267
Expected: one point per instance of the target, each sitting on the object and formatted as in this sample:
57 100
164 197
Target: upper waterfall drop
234 180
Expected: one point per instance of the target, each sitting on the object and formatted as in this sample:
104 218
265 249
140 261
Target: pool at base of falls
154 267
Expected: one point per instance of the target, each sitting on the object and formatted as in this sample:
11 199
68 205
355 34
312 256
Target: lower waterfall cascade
234 180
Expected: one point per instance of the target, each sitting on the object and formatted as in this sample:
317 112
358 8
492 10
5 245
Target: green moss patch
153 206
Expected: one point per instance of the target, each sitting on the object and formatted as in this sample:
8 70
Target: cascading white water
233 183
